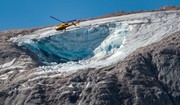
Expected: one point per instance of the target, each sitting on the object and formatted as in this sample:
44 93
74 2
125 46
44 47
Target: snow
97 43
5 76
8 64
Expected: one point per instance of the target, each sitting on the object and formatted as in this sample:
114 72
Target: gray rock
149 76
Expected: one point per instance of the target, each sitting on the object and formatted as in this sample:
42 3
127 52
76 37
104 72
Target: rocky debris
8 50
149 76
120 13
165 8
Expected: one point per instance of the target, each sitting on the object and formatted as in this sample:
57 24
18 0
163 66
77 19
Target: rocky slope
120 13
149 76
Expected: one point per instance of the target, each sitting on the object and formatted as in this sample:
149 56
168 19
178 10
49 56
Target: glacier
97 43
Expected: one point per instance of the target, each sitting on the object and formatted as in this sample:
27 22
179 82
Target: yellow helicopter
64 25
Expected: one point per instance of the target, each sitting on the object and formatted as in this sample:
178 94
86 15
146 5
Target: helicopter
64 25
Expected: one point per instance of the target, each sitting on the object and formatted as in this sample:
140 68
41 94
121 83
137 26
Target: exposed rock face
7 50
149 76
120 13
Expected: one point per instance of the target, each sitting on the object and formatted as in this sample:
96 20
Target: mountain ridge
148 76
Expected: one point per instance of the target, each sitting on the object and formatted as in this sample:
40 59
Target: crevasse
97 43
88 43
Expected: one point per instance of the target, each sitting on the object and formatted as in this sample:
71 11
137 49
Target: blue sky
34 13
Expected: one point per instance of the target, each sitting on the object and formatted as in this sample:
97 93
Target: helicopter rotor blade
57 19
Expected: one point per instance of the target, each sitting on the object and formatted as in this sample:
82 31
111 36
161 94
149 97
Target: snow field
98 43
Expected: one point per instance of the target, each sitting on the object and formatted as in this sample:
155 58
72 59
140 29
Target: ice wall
97 41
